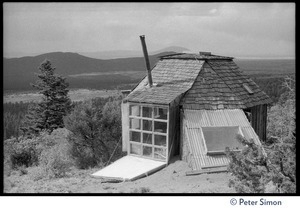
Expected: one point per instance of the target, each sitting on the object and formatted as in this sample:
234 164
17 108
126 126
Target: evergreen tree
48 114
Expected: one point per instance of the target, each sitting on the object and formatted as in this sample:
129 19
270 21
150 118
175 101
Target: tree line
14 113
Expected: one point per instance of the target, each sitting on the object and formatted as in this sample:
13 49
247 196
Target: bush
96 130
22 152
258 169
248 168
56 161
55 157
272 166
50 152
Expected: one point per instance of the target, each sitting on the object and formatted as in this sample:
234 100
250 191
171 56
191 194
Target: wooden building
195 108
197 104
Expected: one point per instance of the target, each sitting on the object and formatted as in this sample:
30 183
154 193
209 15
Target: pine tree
48 114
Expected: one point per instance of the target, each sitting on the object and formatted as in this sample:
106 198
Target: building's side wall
174 128
259 120
125 125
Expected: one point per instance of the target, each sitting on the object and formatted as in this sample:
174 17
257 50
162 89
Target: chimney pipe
142 37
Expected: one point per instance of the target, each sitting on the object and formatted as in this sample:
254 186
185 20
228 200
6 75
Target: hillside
19 72
119 73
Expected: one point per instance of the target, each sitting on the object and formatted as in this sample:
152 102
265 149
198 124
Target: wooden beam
215 166
207 171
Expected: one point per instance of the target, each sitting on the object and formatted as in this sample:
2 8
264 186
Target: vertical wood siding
259 120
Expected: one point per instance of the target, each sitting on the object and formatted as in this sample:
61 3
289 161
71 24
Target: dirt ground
171 179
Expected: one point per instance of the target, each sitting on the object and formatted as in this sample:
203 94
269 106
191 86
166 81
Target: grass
35 182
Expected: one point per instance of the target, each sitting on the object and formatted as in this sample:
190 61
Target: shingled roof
207 82
221 85
171 78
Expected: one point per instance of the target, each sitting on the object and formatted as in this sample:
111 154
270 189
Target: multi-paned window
148 131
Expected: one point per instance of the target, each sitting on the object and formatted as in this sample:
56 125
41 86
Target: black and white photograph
123 98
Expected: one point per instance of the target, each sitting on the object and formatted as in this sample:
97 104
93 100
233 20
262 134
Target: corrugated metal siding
195 119
224 117
198 151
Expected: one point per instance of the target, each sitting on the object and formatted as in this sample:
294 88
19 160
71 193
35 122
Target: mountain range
122 73
18 73
129 53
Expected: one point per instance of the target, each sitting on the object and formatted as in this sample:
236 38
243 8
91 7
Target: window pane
147 112
160 140
135 136
160 113
147 138
136 149
147 125
160 127
135 123
160 153
134 110
218 138
147 151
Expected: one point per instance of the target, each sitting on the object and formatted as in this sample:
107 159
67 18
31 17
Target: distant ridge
129 53
18 73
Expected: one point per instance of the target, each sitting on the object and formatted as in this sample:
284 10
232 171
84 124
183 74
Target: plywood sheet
129 168
125 126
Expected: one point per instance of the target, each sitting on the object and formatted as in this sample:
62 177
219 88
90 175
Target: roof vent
249 90
205 53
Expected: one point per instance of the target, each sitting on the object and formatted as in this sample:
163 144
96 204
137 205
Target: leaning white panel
129 168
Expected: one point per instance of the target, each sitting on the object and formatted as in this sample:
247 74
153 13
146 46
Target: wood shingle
206 82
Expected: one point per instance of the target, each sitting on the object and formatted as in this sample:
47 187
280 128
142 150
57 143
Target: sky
229 29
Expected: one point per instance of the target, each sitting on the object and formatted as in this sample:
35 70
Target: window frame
153 133
219 152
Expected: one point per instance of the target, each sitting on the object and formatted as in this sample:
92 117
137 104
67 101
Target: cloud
228 28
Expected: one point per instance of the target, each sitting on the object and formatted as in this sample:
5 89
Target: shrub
96 130
55 157
22 152
56 161
270 167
